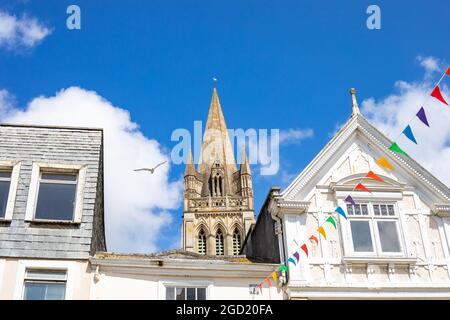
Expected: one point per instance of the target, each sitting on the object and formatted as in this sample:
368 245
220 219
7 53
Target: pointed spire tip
355 108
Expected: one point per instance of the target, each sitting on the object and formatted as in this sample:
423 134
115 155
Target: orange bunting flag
382 162
438 95
361 187
372 175
274 277
321 230
314 239
305 248
268 281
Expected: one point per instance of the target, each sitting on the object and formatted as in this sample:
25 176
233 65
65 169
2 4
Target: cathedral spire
216 146
355 108
245 167
190 167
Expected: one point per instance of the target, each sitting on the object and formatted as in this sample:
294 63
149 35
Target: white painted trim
162 284
15 167
2 267
23 265
34 187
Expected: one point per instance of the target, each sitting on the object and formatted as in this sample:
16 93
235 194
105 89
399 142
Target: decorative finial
355 108
215 81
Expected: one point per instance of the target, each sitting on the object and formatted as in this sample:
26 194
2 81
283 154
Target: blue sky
283 64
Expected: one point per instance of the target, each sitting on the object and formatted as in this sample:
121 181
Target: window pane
362 240
350 209
180 294
59 177
388 236
5 174
383 210
190 294
44 291
4 192
201 293
391 210
358 210
376 209
170 293
55 201
364 209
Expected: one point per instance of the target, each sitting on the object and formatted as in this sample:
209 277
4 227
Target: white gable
354 151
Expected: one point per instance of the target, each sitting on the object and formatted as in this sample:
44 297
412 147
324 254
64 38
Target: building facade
218 199
51 210
395 241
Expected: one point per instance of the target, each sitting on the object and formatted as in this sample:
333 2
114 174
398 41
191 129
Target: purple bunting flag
350 200
422 116
296 255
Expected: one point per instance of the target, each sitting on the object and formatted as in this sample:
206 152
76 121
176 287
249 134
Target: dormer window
374 229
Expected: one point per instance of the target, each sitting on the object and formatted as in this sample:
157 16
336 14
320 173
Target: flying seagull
151 170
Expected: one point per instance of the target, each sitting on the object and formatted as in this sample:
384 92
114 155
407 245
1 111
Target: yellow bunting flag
382 162
321 230
274 277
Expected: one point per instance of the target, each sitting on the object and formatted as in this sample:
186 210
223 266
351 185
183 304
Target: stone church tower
218 198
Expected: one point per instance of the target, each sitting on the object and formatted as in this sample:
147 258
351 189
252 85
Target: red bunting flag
372 175
268 281
438 95
448 71
314 239
260 287
361 187
305 248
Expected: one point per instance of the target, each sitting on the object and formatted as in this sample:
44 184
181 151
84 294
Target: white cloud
393 113
295 135
137 204
23 32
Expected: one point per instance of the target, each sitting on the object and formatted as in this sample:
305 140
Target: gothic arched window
201 245
219 243
236 242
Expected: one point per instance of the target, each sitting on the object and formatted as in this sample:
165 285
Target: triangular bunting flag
321 230
438 95
341 212
350 200
361 187
422 116
382 162
331 220
274 277
297 256
305 248
283 267
448 71
394 147
268 281
292 261
374 176
260 287
409 134
314 238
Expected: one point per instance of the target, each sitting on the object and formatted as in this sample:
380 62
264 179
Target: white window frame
45 265
163 284
14 167
2 268
57 168
376 241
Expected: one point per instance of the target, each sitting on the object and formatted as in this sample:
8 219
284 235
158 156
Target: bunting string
383 163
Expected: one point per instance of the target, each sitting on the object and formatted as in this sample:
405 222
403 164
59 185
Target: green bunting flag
394 147
283 267
331 220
